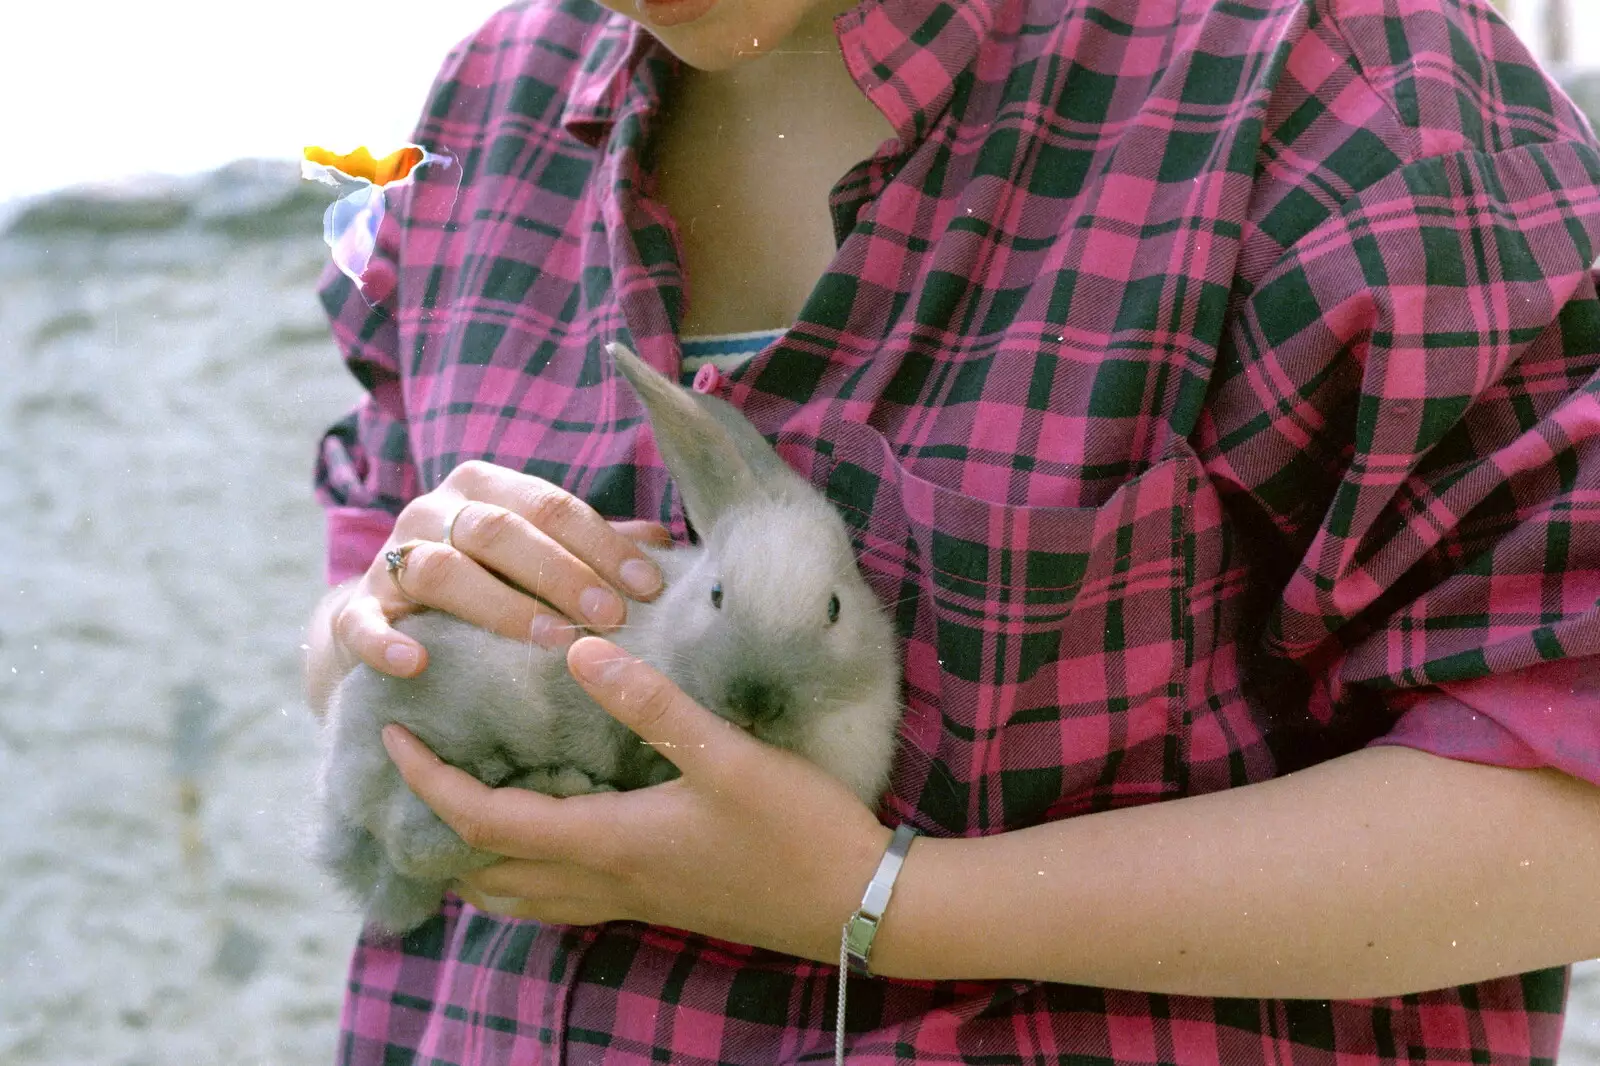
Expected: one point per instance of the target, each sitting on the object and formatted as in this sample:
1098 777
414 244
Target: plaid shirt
1210 387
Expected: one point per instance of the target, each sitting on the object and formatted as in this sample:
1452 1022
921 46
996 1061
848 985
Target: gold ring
395 561
450 525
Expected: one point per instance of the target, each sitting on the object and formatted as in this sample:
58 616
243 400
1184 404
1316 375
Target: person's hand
525 559
752 844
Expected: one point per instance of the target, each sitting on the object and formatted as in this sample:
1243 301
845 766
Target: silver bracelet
862 926
855 940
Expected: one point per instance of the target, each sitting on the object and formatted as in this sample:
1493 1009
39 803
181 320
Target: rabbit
767 622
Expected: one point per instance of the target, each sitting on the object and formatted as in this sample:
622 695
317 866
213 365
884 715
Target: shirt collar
905 55
606 79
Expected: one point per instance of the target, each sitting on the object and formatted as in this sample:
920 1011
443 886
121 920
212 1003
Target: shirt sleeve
364 475
1429 359
1547 715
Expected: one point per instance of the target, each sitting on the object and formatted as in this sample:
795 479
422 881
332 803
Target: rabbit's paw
399 904
351 855
559 781
422 847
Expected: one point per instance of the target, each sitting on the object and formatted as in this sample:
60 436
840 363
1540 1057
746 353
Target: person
1212 392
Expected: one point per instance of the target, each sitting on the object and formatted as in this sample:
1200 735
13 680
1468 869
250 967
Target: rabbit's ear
714 455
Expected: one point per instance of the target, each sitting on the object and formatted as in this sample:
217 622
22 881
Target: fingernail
397 740
601 606
549 633
599 664
403 657
641 578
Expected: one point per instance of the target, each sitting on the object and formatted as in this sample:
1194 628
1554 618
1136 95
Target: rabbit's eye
833 609
716 595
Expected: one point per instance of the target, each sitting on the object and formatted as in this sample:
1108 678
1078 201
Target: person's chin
666 14
707 34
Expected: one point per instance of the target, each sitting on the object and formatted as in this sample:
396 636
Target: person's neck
746 159
815 31
799 84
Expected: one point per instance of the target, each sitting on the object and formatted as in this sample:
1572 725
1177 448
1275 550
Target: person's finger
363 627
558 516
531 879
506 906
559 909
505 821
644 700
493 539
436 576
652 534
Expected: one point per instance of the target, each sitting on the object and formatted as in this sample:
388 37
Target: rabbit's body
768 623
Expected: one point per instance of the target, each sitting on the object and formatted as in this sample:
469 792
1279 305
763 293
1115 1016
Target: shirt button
708 378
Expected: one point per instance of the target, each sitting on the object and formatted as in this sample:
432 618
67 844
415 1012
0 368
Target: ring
395 561
450 525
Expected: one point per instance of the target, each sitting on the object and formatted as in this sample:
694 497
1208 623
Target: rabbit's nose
759 701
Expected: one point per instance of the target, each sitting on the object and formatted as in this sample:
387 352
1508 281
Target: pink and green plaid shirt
1211 388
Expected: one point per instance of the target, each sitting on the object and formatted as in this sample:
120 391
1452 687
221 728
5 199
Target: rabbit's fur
766 657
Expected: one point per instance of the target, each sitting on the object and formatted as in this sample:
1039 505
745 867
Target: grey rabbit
767 622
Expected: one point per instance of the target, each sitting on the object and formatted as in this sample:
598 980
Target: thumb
643 699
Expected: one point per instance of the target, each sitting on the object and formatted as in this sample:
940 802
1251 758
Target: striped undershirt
726 351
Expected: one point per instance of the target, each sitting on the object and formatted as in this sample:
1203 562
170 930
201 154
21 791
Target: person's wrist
850 871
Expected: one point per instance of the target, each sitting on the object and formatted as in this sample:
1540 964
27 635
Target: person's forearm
1383 872
325 662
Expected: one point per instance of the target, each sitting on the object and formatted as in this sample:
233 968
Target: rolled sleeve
354 538
1545 716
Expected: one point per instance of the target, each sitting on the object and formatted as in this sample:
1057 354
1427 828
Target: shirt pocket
1047 649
